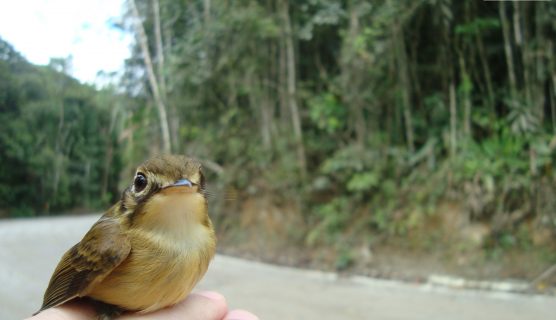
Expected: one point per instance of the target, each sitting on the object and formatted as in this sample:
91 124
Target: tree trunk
517 25
553 102
403 75
161 71
258 103
206 10
266 124
282 82
352 80
266 116
538 60
453 117
486 71
271 87
508 49
551 64
59 153
159 49
161 107
466 98
291 85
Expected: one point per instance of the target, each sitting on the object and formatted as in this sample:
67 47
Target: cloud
44 29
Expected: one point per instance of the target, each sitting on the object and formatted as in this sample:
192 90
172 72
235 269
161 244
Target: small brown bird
147 251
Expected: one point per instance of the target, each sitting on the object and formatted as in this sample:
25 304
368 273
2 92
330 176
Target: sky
44 29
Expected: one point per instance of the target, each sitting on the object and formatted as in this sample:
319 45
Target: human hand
205 305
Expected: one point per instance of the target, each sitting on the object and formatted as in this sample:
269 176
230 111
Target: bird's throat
173 211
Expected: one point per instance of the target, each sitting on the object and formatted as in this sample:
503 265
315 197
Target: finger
240 315
75 310
206 305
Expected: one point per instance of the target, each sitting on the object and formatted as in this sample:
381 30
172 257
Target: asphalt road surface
30 249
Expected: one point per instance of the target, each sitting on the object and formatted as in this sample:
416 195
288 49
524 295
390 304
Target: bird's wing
102 249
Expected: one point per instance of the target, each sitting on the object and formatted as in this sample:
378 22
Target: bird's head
167 192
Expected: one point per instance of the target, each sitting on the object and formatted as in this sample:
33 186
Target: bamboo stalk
161 107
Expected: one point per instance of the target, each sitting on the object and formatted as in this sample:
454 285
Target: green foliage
521 118
362 182
345 259
477 25
53 141
495 157
361 115
327 113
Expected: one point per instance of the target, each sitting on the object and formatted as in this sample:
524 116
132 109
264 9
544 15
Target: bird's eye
140 182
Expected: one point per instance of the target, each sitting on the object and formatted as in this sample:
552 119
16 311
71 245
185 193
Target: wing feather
102 249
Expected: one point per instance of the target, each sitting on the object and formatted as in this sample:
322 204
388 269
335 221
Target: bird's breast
160 270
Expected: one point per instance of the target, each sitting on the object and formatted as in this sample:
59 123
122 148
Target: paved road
30 250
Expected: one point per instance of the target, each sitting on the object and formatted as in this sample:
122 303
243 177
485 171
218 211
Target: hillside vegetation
58 142
341 126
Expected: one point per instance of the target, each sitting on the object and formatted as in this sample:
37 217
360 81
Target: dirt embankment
446 243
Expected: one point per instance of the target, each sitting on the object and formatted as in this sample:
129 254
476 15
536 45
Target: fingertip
217 300
212 295
208 305
239 314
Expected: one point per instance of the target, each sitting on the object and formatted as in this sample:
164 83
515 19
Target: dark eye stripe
202 183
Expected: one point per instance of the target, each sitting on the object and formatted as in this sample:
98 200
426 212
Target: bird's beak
179 187
182 182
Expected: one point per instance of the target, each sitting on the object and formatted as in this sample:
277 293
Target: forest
326 124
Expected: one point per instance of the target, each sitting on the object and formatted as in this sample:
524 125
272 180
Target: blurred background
394 139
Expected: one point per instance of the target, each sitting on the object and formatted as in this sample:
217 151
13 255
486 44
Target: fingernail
241 315
212 295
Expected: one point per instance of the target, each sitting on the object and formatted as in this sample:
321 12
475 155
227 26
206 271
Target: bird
148 250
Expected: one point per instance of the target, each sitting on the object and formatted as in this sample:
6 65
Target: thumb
205 305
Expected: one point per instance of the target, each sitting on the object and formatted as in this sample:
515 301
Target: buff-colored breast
160 270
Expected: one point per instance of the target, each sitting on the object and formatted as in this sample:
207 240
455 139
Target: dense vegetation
58 147
359 116
362 115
